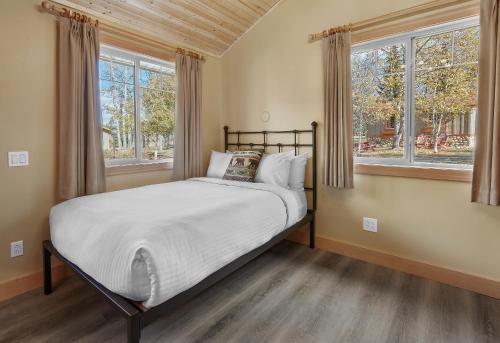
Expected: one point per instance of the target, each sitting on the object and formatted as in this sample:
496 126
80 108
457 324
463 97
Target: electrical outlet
16 249
370 224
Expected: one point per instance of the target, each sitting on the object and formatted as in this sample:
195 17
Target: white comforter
151 243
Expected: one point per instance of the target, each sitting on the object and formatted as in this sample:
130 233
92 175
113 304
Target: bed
149 249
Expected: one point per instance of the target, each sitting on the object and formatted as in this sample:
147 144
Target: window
138 107
414 97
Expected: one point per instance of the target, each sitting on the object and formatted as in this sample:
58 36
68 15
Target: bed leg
133 329
312 234
47 272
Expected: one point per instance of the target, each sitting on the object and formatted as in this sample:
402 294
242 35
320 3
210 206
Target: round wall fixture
265 116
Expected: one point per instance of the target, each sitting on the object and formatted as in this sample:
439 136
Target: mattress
151 243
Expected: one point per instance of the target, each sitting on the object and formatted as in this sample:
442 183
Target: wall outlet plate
18 158
370 224
16 249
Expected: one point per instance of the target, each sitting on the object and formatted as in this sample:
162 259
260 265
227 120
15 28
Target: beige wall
274 69
28 122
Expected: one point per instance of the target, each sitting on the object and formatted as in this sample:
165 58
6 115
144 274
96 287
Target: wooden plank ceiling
209 26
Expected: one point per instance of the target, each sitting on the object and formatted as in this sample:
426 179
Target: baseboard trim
450 277
474 283
26 283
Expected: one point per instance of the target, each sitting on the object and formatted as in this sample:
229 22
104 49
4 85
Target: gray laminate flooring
289 294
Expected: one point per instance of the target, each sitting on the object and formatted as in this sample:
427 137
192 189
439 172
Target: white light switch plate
370 224
18 158
16 249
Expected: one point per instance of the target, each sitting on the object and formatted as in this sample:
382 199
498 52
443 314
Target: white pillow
274 169
219 162
297 172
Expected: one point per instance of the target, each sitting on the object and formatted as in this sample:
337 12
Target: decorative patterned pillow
243 166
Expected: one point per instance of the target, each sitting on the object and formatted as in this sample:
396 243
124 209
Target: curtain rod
190 53
68 13
383 19
116 30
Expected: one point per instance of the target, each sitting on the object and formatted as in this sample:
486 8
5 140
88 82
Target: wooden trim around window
414 18
136 45
138 168
446 174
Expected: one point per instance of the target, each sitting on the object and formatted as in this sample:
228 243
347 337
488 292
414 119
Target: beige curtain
81 162
338 166
188 160
486 175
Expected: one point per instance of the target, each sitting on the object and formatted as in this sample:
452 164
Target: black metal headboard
296 145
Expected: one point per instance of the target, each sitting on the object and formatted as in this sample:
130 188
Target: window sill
446 174
138 168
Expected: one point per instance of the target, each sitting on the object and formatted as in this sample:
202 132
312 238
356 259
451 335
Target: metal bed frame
136 315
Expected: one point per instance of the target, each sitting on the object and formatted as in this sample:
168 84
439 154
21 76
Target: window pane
433 51
157 76
118 71
466 45
157 100
445 96
378 82
117 107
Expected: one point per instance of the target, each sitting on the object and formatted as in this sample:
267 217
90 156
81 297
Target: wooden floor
289 294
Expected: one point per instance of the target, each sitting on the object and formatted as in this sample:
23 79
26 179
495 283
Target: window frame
126 165
408 159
